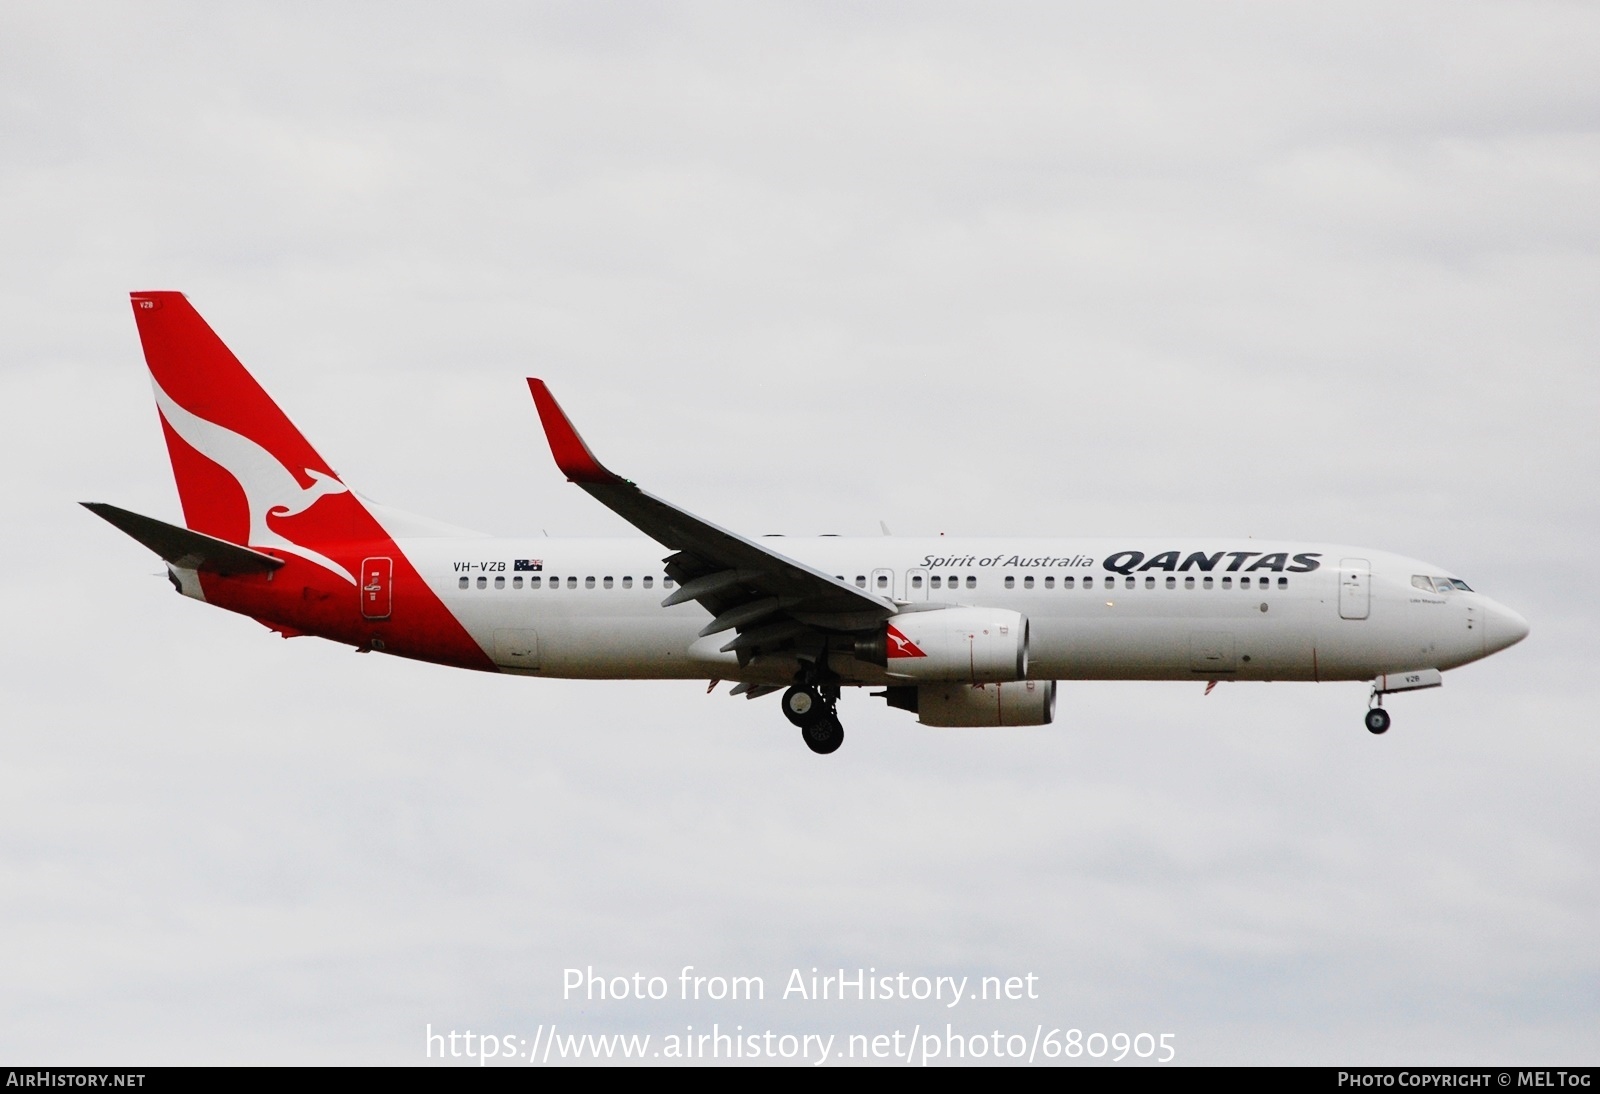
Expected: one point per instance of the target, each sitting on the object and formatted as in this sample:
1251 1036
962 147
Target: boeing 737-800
972 632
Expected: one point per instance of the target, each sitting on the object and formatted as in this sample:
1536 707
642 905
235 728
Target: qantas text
1125 562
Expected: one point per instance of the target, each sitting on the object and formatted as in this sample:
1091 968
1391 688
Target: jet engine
1012 703
968 645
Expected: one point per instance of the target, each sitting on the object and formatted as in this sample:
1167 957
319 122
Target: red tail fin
247 476
244 472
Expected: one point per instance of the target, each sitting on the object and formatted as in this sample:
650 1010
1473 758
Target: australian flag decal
528 565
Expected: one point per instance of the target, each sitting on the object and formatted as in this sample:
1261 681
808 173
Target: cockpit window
1440 584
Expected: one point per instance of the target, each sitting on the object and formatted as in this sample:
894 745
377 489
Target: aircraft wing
771 600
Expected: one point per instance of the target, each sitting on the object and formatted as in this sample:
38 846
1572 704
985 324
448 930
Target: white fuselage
1166 610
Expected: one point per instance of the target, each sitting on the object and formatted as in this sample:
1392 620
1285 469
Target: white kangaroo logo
903 646
269 487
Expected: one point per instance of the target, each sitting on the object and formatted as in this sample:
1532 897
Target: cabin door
1355 588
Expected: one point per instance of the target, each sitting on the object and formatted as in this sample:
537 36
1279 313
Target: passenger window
1068 582
1149 581
535 582
647 581
972 582
1027 582
516 582
1088 582
861 581
883 581
464 583
1227 583
1011 582
666 583
1206 581
627 583
1050 583
1244 583
483 583
1188 582
572 582
499 582
1127 584
607 582
953 581
1172 582
1283 583
916 581
933 582
588 583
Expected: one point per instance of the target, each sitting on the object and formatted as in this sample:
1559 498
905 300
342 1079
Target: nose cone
1506 628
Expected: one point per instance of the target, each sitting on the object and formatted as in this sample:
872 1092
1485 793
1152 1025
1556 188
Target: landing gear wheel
1377 720
825 735
803 706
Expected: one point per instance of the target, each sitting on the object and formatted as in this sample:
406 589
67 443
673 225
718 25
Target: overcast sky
1151 268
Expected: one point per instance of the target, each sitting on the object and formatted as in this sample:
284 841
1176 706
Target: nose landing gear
1387 684
1377 719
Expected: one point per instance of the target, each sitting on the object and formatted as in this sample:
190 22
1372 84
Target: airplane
959 632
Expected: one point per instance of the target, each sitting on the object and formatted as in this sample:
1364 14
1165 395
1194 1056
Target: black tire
1377 720
803 706
824 736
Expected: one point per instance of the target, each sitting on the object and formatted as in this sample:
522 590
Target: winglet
572 455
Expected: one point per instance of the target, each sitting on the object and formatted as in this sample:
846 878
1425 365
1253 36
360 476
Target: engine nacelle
1013 703
970 645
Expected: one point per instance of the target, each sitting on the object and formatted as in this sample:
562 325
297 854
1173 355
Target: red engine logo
901 646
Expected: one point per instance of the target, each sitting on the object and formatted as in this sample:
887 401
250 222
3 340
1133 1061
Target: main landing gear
814 710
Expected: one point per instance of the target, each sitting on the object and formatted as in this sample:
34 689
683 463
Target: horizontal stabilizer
184 548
